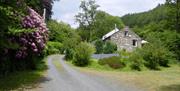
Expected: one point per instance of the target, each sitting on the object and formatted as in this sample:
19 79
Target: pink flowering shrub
34 42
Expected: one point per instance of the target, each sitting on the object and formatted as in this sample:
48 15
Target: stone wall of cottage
126 41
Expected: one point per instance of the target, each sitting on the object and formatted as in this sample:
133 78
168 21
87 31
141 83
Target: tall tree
40 5
174 13
86 17
105 23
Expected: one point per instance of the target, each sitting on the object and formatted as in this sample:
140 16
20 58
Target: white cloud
65 10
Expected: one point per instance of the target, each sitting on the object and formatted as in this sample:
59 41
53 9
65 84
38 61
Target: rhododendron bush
34 42
25 42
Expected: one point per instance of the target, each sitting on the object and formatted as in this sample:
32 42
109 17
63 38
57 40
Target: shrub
69 46
110 47
136 60
54 48
83 54
99 44
156 54
113 62
29 38
32 37
124 55
69 54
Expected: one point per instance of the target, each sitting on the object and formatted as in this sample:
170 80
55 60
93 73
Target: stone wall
126 42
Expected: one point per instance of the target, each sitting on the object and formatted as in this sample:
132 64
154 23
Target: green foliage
69 46
173 15
12 13
63 33
16 80
110 47
93 23
156 54
113 62
151 55
124 56
168 13
18 32
9 17
83 54
106 47
171 40
9 65
105 23
54 48
136 60
39 6
69 54
86 18
141 19
161 24
60 31
99 44
89 10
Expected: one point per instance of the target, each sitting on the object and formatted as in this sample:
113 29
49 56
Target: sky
65 10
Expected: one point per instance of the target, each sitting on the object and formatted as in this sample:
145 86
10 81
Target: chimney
44 14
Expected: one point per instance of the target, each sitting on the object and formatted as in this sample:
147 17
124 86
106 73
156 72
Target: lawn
167 79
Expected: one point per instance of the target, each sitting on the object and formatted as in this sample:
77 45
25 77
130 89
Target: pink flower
35 50
33 42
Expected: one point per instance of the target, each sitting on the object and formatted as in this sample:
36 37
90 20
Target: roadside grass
57 64
166 79
94 65
20 80
23 79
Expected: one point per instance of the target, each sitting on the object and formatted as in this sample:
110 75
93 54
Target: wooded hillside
160 23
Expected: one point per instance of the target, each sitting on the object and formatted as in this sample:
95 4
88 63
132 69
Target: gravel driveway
69 79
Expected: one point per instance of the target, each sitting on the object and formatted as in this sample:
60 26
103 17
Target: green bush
136 61
99 44
113 62
69 54
83 54
156 54
54 48
69 46
110 47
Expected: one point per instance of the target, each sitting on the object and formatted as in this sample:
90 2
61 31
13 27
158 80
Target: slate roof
110 33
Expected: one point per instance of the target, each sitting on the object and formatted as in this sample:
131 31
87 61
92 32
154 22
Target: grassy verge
168 79
22 80
57 65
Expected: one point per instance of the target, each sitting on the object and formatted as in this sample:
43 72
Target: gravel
69 79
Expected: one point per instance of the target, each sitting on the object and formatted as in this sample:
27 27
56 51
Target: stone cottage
124 39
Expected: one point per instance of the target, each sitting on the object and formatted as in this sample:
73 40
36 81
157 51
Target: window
125 33
135 43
